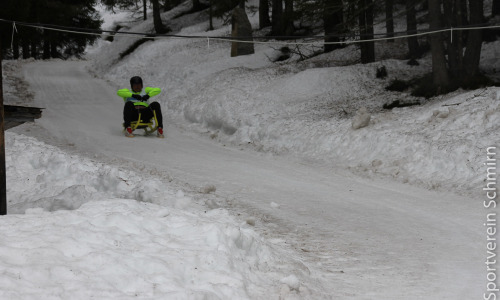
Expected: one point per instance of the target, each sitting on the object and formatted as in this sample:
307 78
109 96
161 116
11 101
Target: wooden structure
10 116
17 115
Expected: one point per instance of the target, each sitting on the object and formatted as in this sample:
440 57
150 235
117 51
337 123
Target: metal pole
3 178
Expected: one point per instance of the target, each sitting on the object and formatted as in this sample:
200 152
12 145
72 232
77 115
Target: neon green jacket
126 94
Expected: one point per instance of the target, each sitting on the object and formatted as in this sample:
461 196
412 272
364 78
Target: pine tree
264 20
288 18
333 21
411 28
159 27
389 18
440 77
277 18
365 8
495 9
66 13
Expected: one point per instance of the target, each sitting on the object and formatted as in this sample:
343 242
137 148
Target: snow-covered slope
306 109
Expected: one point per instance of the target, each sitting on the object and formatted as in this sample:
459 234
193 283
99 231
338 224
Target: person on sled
136 100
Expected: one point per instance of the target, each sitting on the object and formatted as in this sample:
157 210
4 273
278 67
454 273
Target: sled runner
149 126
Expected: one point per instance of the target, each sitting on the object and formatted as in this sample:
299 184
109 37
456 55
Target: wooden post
3 179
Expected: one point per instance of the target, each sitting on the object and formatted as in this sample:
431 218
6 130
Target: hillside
305 108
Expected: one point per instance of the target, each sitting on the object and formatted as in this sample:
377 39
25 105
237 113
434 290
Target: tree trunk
3 175
366 31
411 27
35 36
277 18
15 46
474 40
288 18
389 18
464 9
264 20
453 18
449 22
53 49
210 16
145 13
34 50
26 48
332 21
495 10
440 75
369 30
159 27
241 29
46 45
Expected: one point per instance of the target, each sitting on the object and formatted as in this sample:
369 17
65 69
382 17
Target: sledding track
359 239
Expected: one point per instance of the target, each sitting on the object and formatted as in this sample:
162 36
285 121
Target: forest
40 30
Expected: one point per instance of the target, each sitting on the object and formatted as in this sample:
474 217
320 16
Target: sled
149 127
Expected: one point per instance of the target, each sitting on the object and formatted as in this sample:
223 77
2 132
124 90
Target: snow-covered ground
113 247
261 189
306 108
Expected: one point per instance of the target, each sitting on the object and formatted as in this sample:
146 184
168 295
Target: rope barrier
238 40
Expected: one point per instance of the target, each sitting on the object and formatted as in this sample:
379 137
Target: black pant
131 113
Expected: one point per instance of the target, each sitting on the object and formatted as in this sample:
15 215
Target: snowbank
91 231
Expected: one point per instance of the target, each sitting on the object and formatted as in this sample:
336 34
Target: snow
294 109
262 188
92 230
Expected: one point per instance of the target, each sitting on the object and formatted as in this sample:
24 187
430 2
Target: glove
145 97
137 96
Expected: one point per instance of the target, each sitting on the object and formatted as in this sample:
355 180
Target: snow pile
44 176
89 231
306 108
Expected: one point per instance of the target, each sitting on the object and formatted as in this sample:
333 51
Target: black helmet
135 80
